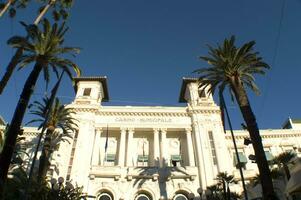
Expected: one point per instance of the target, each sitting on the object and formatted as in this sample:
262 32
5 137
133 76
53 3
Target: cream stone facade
154 152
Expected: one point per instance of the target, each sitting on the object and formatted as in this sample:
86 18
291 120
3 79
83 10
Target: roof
288 124
185 81
101 79
296 121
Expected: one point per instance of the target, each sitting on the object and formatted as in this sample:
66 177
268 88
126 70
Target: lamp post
234 143
191 196
208 194
200 191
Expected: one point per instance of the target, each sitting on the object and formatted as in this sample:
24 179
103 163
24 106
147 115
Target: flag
107 138
143 151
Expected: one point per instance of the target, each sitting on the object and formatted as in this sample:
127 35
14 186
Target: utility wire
278 36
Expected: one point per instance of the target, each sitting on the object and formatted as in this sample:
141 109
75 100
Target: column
129 156
189 148
96 150
200 156
156 148
163 148
121 155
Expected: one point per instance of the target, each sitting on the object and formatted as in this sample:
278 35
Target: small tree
283 159
59 117
225 180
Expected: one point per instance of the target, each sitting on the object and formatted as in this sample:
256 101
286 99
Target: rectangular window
242 158
87 92
213 152
72 155
142 160
110 159
176 160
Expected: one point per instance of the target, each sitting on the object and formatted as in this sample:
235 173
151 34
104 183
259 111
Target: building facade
154 152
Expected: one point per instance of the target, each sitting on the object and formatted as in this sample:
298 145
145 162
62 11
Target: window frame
87 92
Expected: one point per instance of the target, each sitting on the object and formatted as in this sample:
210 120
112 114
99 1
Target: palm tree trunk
44 158
224 190
287 172
10 69
249 117
228 192
46 8
14 128
8 3
15 59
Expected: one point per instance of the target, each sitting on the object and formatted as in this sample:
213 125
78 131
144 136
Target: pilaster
156 148
121 155
129 157
191 160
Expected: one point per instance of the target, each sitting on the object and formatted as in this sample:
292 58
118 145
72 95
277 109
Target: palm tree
59 117
214 191
62 5
235 67
4 7
225 180
11 5
275 174
283 159
44 47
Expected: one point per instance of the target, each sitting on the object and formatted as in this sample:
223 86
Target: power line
266 91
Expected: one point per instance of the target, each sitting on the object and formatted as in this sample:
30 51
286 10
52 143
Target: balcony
154 173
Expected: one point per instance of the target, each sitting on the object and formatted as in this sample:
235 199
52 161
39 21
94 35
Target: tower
91 90
208 135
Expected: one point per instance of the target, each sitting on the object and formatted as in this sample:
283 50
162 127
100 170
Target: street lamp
200 191
208 194
191 196
247 141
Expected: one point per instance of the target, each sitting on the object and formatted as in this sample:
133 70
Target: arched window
143 197
105 196
180 197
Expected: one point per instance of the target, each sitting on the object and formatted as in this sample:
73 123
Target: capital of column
163 130
131 130
123 129
98 130
156 130
188 130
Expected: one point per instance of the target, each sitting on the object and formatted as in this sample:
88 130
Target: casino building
154 152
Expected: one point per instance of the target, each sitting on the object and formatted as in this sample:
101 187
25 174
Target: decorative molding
282 135
147 114
188 130
31 133
89 110
205 111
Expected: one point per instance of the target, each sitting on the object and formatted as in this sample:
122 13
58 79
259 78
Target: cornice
167 113
282 135
205 111
31 133
143 114
89 110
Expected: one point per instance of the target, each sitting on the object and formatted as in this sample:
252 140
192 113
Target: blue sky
146 47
